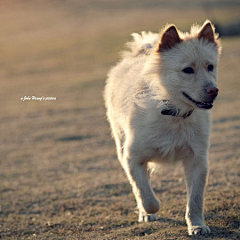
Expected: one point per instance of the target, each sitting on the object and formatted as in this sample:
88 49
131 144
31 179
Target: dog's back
124 78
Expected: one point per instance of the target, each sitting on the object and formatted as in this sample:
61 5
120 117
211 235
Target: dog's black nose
212 91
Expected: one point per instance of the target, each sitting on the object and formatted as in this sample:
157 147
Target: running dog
158 100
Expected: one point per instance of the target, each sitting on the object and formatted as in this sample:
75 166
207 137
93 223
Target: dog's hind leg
117 134
137 173
119 140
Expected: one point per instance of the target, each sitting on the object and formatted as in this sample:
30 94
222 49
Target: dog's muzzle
204 105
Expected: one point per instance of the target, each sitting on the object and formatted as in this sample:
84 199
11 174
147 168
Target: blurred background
58 170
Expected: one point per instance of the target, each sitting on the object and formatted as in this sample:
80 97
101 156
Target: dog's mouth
204 105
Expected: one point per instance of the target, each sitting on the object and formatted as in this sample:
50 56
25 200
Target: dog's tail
142 43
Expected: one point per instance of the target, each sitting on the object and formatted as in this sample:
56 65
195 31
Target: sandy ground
59 176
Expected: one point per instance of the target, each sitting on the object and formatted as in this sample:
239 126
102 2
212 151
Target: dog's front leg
196 171
147 202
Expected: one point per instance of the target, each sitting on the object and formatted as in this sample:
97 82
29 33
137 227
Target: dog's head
188 65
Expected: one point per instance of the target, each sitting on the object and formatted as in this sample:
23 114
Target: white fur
134 94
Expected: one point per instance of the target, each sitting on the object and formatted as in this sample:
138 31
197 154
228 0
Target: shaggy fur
158 99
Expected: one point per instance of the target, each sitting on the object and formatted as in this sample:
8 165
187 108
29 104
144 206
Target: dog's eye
210 67
188 70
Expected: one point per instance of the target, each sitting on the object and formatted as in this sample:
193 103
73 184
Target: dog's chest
174 142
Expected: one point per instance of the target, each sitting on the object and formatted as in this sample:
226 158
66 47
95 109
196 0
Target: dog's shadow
172 221
223 233
216 232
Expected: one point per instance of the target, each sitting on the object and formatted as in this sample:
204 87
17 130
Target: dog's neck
172 110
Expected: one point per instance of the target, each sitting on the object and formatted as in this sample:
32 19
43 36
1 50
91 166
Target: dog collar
171 110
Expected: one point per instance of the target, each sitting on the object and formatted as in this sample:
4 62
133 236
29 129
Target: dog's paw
199 230
143 217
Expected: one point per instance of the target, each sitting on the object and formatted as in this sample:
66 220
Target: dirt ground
59 175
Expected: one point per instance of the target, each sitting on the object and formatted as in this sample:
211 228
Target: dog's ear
207 32
169 39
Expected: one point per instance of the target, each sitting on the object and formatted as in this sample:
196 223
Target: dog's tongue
204 105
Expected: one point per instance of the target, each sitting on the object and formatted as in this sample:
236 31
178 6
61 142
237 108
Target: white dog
158 99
